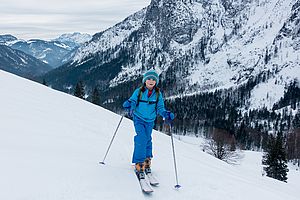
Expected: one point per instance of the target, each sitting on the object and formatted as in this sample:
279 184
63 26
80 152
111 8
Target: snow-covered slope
51 144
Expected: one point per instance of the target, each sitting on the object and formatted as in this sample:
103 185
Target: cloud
47 19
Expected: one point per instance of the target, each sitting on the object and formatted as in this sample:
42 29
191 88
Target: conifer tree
96 96
275 159
44 82
79 90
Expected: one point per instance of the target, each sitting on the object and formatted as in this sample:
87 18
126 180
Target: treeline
291 97
202 113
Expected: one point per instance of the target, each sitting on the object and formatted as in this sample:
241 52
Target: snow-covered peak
7 38
76 37
111 37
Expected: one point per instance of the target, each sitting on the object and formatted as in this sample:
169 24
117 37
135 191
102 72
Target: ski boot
140 170
147 165
153 180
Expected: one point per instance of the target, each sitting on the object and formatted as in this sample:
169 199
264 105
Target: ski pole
112 139
177 186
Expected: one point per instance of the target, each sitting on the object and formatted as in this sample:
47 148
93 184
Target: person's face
150 83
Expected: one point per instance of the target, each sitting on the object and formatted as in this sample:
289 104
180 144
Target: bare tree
222 146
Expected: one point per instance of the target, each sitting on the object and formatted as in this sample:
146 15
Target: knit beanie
151 74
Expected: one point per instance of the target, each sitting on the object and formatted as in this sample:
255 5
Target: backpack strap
157 96
143 89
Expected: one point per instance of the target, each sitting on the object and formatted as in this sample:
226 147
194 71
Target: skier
143 106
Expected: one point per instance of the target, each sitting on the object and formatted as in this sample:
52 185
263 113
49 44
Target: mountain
73 40
197 46
51 144
52 52
55 52
223 64
5 39
22 64
93 68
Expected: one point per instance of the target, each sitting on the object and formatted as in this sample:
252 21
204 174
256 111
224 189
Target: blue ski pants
142 140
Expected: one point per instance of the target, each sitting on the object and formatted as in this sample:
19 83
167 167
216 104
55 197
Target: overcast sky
47 19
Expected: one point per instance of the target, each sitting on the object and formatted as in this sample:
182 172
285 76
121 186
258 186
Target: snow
257 33
23 61
61 45
269 93
51 144
266 94
76 37
264 22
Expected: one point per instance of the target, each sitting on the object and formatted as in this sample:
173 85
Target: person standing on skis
144 105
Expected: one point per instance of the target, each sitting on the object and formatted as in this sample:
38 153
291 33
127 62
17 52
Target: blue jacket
146 111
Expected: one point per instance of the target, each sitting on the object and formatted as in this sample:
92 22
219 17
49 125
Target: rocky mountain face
197 46
19 63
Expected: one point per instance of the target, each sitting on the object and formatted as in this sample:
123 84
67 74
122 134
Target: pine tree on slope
275 159
96 96
79 90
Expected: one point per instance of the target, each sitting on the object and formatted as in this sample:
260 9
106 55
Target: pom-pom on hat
151 74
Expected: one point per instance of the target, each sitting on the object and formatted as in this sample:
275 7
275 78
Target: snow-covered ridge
54 52
111 37
76 37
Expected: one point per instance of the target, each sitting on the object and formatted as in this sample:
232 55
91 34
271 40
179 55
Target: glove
127 105
169 116
130 113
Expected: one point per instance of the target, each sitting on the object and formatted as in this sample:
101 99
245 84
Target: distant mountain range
49 54
55 52
20 63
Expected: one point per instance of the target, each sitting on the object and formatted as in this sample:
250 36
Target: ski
145 186
152 179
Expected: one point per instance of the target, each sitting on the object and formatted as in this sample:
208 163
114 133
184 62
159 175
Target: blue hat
151 74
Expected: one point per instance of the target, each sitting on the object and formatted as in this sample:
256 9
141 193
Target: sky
47 19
